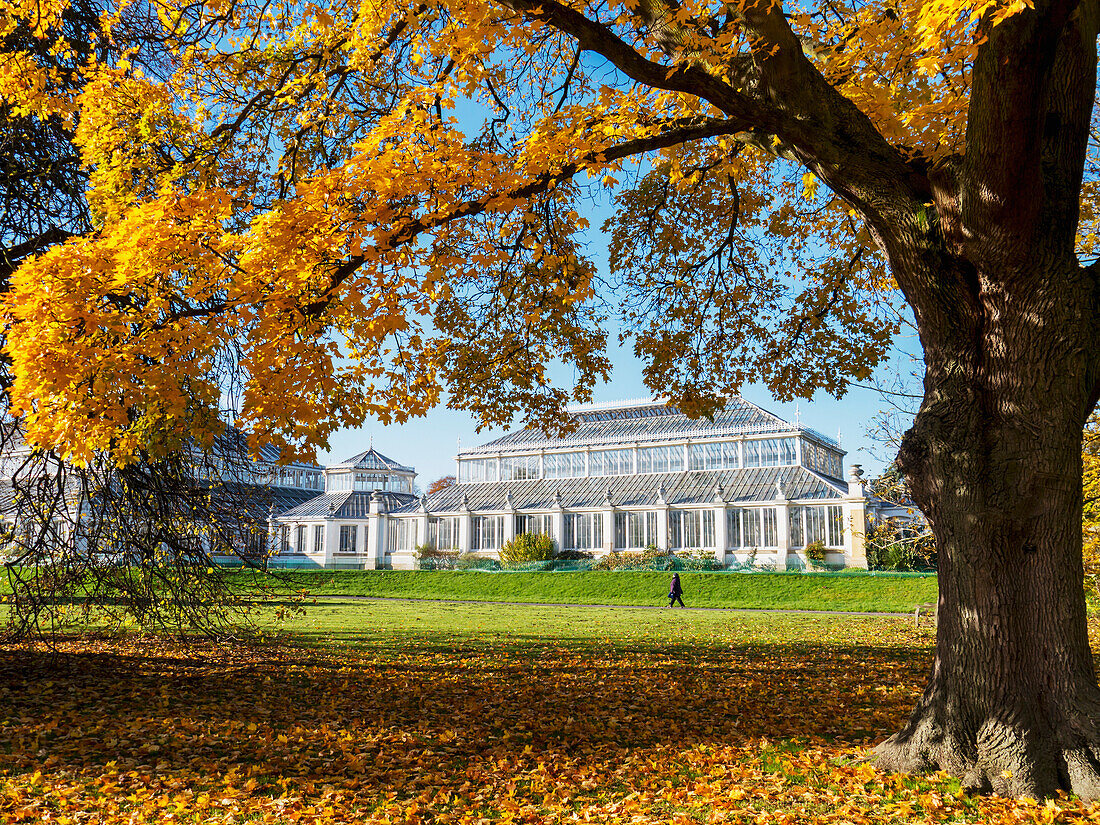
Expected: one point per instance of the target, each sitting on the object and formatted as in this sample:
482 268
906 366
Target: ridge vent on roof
641 439
647 401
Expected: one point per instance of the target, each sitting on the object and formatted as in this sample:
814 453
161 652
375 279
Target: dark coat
674 588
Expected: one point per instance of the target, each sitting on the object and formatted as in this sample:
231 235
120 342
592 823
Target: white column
783 524
421 529
464 527
607 514
662 526
332 540
375 539
855 520
721 539
557 514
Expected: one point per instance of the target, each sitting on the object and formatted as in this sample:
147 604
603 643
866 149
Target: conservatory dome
369 471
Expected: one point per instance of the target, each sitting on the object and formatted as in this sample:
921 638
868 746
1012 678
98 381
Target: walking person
675 591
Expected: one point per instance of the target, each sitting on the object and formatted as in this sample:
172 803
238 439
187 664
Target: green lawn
785 591
528 629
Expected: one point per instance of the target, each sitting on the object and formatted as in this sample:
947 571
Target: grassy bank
872 593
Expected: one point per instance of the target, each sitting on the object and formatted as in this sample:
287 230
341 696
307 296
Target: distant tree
441 483
1090 518
111 546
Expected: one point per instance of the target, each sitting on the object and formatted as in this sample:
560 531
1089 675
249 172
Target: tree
375 204
1090 522
441 483
100 543
526 548
111 547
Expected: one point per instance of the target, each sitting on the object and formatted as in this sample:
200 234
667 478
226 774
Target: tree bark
994 460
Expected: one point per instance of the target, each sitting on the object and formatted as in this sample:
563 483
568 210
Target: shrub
654 558
527 547
632 560
474 561
572 555
429 557
815 553
893 545
699 560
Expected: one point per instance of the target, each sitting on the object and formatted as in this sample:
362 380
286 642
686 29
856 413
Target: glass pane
795 527
771 527
836 526
733 527
751 521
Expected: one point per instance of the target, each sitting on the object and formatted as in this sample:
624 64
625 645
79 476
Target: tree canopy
368 204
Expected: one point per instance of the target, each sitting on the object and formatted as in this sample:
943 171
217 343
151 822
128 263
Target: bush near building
901 547
525 548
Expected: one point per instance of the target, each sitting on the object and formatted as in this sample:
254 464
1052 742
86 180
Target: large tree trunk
994 459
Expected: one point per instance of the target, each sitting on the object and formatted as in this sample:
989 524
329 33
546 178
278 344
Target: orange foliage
441 483
362 206
1090 523
144 732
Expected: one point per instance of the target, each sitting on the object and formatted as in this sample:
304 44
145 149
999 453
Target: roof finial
372 441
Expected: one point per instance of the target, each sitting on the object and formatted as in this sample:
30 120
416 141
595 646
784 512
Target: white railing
624 440
626 403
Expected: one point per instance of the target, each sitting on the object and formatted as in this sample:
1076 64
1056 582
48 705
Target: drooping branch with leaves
381 205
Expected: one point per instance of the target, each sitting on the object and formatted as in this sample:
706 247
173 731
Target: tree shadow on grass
434 713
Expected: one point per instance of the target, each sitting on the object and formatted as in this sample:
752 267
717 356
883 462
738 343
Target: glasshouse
745 486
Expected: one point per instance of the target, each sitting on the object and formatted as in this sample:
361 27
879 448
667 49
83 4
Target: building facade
745 486
245 494
346 526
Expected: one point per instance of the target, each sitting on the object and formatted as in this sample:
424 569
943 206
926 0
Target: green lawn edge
873 593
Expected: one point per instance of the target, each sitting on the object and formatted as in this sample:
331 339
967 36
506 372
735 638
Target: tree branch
677 133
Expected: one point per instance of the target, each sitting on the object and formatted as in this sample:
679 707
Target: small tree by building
898 542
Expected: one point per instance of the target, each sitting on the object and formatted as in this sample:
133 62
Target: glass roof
646 421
